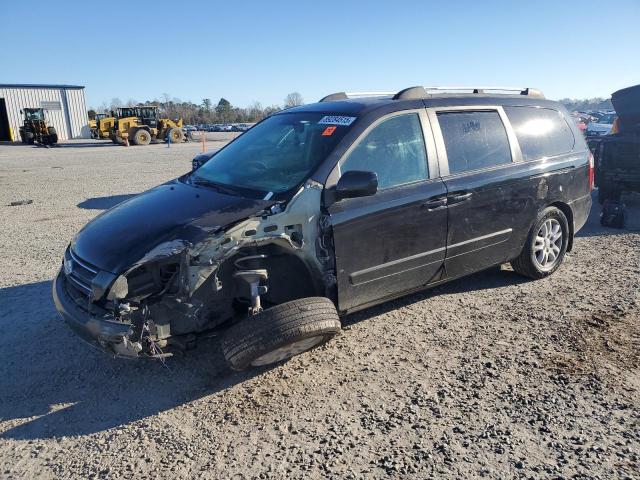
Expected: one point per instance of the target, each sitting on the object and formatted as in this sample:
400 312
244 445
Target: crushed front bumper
94 324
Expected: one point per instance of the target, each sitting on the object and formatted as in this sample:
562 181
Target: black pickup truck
618 155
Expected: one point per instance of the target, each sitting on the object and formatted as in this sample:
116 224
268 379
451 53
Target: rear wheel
141 137
545 247
280 332
175 135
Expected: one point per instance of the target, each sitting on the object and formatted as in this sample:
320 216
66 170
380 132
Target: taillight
592 171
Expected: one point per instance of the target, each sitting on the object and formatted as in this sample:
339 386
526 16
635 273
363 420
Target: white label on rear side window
336 120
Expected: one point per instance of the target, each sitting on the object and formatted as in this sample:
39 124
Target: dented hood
123 235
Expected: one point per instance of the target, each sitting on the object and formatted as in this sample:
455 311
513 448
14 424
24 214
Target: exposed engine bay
179 289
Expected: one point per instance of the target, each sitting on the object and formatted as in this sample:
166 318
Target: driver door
394 241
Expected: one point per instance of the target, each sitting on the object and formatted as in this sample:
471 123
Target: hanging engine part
250 279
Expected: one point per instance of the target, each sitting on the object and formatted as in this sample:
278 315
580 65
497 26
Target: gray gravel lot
491 376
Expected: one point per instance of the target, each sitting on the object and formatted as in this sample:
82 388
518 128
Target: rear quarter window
541 132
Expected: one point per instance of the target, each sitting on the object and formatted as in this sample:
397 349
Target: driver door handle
435 203
459 197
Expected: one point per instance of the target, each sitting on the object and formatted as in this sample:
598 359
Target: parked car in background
326 209
201 158
618 154
581 120
602 126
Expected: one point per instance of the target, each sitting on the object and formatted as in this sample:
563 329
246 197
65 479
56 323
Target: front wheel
546 245
281 332
174 135
141 137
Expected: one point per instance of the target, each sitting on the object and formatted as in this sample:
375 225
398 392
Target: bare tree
293 100
115 103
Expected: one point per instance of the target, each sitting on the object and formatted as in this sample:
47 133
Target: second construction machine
142 125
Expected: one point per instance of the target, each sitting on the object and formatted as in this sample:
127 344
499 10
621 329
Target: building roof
38 85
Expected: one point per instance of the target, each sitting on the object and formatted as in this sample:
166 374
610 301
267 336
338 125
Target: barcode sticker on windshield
336 120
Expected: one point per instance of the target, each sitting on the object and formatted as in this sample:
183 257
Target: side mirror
356 183
21 112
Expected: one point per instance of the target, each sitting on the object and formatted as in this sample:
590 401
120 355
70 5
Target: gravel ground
490 376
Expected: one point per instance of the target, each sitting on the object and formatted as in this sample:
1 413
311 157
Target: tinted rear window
541 132
474 140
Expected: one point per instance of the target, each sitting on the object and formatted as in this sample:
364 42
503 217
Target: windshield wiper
216 186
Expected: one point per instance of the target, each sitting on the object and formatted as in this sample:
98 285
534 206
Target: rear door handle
459 197
435 203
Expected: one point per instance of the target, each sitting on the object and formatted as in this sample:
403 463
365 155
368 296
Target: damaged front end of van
147 277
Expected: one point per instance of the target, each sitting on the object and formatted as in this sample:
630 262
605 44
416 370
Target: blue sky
261 50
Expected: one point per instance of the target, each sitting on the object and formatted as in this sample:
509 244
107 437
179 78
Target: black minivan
325 209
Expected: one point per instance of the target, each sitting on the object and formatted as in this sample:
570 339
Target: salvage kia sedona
325 209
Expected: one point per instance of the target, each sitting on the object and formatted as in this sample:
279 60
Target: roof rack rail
512 90
347 95
420 92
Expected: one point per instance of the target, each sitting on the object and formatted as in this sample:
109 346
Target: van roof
364 105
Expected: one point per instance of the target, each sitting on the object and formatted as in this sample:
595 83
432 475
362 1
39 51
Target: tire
280 332
528 263
175 134
141 137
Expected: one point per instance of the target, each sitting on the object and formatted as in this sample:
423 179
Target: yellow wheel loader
142 125
35 129
100 125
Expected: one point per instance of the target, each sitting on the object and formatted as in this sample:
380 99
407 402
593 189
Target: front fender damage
201 295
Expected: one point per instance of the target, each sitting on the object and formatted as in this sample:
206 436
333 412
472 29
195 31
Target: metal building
64 105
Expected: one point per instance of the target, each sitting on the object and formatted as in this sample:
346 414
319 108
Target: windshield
276 155
34 114
146 112
127 112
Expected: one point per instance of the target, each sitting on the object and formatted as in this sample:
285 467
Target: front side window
394 150
474 140
541 132
277 154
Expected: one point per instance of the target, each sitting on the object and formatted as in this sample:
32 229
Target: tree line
205 112
597 103
225 112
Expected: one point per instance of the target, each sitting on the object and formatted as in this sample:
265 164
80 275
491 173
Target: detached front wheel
280 332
